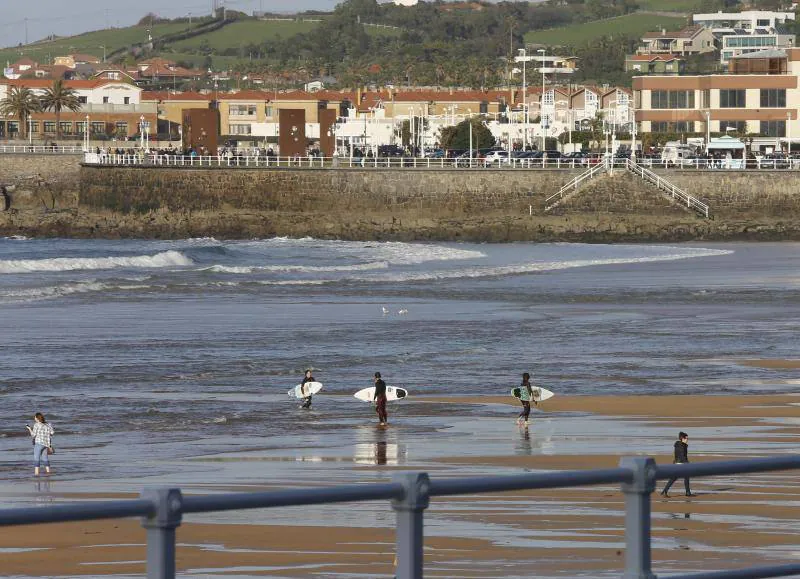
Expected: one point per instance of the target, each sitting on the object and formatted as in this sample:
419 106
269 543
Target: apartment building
689 40
749 20
758 96
654 64
741 42
112 109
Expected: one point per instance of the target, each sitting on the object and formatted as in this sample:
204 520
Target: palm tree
57 98
21 102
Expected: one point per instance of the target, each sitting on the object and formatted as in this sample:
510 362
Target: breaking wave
163 259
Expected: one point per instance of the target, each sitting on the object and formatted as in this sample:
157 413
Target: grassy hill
687 6
88 43
244 32
578 34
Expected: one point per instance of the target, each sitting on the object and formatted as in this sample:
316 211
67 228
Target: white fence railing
573 184
670 188
42 149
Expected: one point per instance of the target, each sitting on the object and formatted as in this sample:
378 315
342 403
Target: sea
170 361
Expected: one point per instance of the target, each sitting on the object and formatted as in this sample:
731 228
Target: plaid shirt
41 433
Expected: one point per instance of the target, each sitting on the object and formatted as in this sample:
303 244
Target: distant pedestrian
681 457
42 435
5 200
380 399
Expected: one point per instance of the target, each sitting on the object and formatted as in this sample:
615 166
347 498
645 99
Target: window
773 128
127 100
50 127
762 22
2 129
113 75
241 129
105 100
484 108
732 99
82 100
98 128
733 126
66 127
775 97
670 127
672 99
13 127
121 128
242 110
33 126
268 110
80 127
749 41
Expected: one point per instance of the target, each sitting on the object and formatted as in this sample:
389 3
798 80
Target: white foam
50 292
295 268
159 260
16 238
517 269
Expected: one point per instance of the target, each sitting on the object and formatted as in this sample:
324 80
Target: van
674 152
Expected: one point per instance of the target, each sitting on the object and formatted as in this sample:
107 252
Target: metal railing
572 185
42 149
668 187
162 509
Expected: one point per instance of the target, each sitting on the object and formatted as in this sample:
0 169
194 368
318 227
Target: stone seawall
407 204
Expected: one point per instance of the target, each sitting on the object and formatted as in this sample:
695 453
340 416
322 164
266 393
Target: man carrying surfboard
525 396
380 399
307 378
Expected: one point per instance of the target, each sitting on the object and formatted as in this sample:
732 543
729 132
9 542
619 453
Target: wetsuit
307 399
380 401
525 396
681 457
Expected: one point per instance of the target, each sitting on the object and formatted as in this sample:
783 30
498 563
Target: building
746 41
758 96
726 22
18 69
687 41
114 110
157 71
73 60
170 107
654 64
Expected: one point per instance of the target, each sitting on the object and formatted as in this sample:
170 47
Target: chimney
663 32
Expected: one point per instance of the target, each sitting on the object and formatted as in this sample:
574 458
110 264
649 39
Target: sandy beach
733 522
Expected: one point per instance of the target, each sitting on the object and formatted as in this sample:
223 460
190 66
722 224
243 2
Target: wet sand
735 521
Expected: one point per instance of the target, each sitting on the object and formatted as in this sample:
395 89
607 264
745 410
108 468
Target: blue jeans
40 454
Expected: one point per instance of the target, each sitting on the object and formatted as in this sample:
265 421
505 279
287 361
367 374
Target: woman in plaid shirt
42 434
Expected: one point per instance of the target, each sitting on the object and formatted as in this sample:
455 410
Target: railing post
637 516
161 531
410 535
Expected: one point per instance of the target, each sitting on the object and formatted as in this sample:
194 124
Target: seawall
56 197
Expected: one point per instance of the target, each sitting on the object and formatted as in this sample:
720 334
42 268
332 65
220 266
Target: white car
496 157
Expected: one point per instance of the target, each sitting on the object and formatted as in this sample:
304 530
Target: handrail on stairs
578 179
665 185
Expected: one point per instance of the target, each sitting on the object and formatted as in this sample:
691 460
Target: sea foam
158 260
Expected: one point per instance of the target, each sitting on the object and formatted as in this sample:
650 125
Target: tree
457 137
57 98
20 103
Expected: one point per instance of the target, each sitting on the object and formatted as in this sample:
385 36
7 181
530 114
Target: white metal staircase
677 194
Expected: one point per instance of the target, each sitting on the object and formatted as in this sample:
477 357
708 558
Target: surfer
681 457
307 399
525 396
380 399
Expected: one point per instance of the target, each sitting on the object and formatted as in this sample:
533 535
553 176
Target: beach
166 363
734 521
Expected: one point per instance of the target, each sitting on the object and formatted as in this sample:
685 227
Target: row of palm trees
22 102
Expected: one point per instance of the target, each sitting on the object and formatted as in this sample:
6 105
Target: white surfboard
311 388
392 393
539 394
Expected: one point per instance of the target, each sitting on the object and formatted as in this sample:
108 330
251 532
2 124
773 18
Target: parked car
390 151
498 158
775 161
463 160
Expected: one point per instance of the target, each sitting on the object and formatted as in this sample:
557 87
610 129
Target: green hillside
243 32
687 6
579 34
88 43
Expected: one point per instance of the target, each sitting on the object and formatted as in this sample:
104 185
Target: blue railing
162 509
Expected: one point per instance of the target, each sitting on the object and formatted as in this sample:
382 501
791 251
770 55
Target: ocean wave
16 238
295 268
519 269
50 292
159 260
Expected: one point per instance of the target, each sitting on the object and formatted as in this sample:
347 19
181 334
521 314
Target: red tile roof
48 82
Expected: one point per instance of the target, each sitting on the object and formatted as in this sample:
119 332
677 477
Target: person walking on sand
526 397
307 399
42 435
681 457
380 399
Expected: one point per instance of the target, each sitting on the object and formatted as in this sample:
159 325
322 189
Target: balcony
141 108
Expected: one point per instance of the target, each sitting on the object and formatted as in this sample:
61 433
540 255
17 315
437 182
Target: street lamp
30 129
524 56
708 129
542 51
141 130
86 134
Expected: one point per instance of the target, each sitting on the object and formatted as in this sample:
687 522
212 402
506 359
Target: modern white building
722 22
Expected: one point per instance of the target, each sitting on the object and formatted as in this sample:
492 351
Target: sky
68 17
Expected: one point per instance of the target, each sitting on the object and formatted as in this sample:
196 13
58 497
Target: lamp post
788 133
542 51
86 135
141 130
524 56
30 129
708 129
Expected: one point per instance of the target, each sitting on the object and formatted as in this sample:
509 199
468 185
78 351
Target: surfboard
392 393
311 388
539 394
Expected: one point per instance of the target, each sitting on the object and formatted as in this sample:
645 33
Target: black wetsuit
307 399
525 388
380 401
681 457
